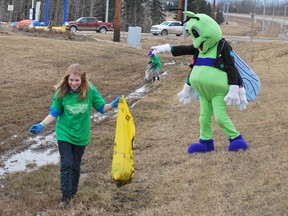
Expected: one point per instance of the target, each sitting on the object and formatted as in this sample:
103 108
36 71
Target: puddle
38 155
32 157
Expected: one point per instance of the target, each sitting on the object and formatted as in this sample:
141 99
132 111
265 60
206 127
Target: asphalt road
280 20
283 39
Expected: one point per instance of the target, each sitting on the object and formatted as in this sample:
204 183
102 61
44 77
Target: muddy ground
167 180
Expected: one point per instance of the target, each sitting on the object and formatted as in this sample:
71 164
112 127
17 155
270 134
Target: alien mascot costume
216 80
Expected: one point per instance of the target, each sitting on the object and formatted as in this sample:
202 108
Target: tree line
143 13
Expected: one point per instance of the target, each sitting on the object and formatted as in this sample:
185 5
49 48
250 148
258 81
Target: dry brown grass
167 180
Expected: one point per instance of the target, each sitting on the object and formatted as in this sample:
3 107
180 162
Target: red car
88 24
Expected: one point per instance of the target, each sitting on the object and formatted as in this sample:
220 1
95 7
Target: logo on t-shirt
77 108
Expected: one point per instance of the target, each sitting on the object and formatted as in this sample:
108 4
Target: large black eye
195 33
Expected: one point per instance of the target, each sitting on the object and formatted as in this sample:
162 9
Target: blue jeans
70 167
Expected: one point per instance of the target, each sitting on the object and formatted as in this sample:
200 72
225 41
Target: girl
72 103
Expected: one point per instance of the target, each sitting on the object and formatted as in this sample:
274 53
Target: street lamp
184 18
107 11
226 7
253 18
284 26
263 19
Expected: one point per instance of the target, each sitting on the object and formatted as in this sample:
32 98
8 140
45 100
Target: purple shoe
237 144
202 147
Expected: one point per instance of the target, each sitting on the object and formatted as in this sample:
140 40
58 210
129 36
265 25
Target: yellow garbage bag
123 161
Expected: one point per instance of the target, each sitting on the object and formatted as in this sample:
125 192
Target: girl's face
74 81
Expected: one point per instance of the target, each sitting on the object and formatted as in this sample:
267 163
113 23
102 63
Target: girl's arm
107 107
37 128
48 119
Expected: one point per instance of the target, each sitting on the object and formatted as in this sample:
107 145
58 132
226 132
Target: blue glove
114 103
36 128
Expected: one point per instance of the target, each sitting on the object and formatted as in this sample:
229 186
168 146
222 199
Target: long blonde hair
64 87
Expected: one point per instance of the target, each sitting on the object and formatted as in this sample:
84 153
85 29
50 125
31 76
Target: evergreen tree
100 9
192 6
133 13
156 12
202 7
172 4
219 16
209 9
111 10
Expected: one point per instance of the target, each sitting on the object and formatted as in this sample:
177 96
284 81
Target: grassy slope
167 180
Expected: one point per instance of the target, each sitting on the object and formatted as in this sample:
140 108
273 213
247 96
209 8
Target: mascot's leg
236 140
206 143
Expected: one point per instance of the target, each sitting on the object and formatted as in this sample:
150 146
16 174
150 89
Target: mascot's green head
204 30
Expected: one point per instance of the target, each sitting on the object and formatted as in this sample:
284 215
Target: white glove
161 48
232 98
185 96
243 99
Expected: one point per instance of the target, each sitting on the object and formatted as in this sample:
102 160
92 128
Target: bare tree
91 7
56 19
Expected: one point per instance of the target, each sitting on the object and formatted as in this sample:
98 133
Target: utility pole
184 18
214 9
179 14
117 20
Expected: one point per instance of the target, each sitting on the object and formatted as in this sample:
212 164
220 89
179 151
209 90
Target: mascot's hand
185 96
232 98
243 99
161 48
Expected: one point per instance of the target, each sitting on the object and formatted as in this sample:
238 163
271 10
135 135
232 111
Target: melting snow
36 155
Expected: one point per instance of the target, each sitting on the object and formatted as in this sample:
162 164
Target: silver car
167 27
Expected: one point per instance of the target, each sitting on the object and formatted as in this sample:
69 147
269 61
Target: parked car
88 24
168 27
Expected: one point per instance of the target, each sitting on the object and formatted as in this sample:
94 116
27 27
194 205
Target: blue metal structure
47 11
65 11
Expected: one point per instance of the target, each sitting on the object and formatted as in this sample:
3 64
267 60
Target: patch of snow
33 158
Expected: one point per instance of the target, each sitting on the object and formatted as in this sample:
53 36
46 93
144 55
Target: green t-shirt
73 125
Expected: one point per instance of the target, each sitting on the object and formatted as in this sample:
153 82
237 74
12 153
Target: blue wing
251 81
